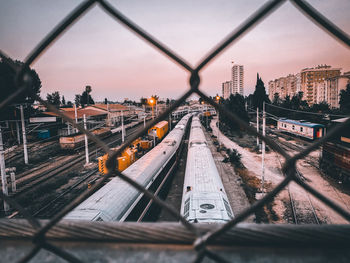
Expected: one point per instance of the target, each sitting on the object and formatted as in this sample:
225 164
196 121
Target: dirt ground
281 211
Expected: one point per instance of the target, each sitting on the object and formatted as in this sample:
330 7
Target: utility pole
75 115
144 120
263 150
24 137
3 172
108 121
257 125
18 135
122 127
86 143
170 121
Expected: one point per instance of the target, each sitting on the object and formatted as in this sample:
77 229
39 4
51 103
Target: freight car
72 142
335 159
204 199
159 130
128 156
301 128
117 199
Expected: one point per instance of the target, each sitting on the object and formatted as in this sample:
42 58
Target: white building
237 79
226 89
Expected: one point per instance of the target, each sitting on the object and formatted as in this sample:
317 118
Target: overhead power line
306 112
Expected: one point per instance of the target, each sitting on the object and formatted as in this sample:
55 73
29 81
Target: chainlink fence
200 237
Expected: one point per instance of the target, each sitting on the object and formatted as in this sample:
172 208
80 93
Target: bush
235 158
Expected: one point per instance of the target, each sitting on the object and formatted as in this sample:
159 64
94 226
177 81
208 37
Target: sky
100 52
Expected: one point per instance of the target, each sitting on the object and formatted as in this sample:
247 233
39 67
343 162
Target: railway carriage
117 199
301 128
335 159
73 141
204 199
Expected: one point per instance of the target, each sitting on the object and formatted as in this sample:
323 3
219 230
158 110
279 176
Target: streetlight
151 101
218 100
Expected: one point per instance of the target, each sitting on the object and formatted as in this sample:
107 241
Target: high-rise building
237 74
334 86
284 86
226 89
310 79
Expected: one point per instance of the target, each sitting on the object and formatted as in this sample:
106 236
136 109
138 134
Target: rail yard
176 161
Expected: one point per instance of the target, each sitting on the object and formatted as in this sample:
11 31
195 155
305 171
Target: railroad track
48 210
300 215
33 181
18 155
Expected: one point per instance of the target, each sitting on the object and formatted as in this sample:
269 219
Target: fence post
24 136
3 171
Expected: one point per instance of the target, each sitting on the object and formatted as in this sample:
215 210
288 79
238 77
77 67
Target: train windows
187 208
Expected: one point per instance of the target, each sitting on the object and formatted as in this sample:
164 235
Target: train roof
341 120
302 123
161 124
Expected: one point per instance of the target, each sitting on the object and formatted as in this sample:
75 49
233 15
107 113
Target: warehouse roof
112 107
80 113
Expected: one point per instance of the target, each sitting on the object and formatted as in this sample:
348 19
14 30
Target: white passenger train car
115 200
204 199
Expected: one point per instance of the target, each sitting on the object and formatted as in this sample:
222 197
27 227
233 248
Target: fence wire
201 239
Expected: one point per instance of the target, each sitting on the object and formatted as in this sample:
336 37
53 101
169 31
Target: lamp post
152 102
218 100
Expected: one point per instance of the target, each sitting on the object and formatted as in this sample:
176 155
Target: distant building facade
320 84
334 86
310 79
284 86
237 74
236 84
226 89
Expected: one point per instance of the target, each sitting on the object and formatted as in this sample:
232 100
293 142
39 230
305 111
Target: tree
63 101
8 86
85 98
69 104
106 101
54 98
259 95
276 99
344 101
235 103
77 99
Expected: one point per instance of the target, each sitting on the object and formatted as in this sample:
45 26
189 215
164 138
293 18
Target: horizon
99 52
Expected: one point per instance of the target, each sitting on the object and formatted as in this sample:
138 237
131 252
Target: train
204 199
301 128
72 142
136 148
335 160
117 199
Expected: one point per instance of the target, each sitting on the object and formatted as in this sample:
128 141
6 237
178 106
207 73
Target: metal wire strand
248 24
322 21
33 221
143 34
235 119
23 81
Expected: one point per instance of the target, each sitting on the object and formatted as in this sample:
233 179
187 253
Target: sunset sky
100 52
